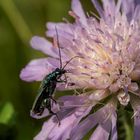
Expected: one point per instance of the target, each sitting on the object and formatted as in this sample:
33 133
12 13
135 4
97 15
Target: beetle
48 85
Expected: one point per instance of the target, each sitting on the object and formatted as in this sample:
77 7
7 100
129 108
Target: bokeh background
19 21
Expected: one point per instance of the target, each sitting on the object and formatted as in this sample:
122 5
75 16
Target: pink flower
109 68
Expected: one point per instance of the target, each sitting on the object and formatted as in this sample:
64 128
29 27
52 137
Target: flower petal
98 7
63 30
49 125
128 8
103 117
109 8
78 10
66 126
102 132
60 26
69 116
63 130
40 43
36 70
118 6
114 127
137 13
80 130
137 125
137 2
72 101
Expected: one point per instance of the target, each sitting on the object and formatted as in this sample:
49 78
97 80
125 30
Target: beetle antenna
58 47
70 61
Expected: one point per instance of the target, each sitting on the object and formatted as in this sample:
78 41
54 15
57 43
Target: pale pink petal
69 116
137 124
109 8
78 10
60 26
72 101
63 30
137 13
36 70
63 130
64 34
42 44
85 126
102 132
67 124
128 8
118 6
114 135
46 129
98 7
55 63
103 117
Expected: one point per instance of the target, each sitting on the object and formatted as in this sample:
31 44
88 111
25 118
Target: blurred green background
19 21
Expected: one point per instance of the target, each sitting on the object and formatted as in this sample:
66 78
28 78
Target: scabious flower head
108 66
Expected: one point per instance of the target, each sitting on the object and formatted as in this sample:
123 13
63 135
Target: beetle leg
65 78
53 99
52 113
60 81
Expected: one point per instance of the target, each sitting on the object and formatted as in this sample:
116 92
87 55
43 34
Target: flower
108 69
